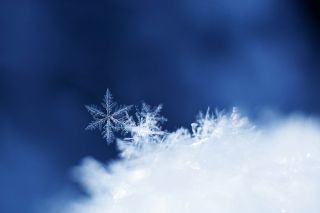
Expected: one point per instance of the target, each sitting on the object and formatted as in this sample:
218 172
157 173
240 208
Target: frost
216 124
110 120
204 126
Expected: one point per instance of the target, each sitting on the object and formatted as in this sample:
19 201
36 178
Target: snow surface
224 165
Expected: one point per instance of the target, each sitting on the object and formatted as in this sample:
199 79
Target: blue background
58 55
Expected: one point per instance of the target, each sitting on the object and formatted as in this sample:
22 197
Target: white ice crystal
145 130
224 165
112 119
147 125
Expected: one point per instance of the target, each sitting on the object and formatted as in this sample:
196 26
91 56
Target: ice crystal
143 128
215 124
204 126
112 119
147 127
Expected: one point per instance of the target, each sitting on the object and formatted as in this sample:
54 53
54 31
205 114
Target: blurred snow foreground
223 165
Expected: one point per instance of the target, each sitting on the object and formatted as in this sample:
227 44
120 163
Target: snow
226 165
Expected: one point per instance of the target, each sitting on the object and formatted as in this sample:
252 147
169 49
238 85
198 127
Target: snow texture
224 165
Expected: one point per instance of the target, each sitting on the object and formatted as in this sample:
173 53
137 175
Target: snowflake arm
108 103
94 111
98 118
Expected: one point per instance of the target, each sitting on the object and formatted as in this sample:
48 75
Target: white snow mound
226 165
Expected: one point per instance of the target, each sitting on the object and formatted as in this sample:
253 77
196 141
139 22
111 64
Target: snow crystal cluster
118 119
224 164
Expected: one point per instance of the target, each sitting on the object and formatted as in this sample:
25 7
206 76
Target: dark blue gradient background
58 55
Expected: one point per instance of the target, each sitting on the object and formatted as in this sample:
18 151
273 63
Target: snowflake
147 127
217 124
204 126
110 120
